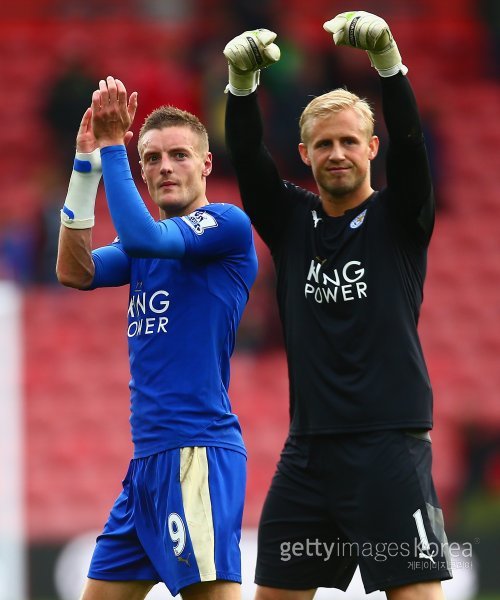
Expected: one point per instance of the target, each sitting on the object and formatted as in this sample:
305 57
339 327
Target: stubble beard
341 190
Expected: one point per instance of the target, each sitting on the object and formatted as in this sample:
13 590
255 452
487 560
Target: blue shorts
177 520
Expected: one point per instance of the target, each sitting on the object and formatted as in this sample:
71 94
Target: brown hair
171 116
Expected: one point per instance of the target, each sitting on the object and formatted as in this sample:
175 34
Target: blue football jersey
183 315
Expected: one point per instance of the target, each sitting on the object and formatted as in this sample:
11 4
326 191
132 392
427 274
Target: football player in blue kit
178 518
353 486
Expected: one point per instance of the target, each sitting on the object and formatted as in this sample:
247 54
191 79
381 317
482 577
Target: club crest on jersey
358 221
200 220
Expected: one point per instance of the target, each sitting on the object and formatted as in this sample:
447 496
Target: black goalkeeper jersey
349 288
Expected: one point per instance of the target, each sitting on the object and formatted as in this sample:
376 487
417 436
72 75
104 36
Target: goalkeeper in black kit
353 485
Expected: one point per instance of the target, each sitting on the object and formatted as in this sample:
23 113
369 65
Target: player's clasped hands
112 112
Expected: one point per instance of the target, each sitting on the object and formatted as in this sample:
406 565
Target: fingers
265 36
360 29
272 52
132 105
104 95
119 91
333 25
85 122
241 51
128 136
112 85
85 139
127 109
96 102
110 92
112 112
337 27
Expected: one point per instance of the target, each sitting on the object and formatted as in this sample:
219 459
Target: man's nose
166 165
336 152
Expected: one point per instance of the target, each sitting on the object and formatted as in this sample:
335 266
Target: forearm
261 187
408 170
407 163
254 165
400 110
75 267
260 183
244 130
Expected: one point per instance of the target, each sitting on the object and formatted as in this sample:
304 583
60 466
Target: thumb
272 52
132 105
265 36
328 26
128 136
336 27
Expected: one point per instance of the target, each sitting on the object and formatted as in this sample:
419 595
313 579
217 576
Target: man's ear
373 144
207 165
142 172
304 154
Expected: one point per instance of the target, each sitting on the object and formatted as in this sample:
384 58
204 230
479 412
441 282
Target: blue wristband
82 166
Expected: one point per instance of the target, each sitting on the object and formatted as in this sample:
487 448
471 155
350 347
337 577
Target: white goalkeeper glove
78 209
247 54
363 30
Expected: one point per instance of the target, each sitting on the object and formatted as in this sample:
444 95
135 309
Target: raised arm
260 184
75 267
140 234
408 173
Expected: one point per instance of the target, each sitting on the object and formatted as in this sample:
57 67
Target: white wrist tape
242 85
393 70
78 209
388 63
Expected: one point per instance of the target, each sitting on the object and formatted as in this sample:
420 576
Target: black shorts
362 499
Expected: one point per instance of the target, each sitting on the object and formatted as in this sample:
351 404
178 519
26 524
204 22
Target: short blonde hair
171 116
334 102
